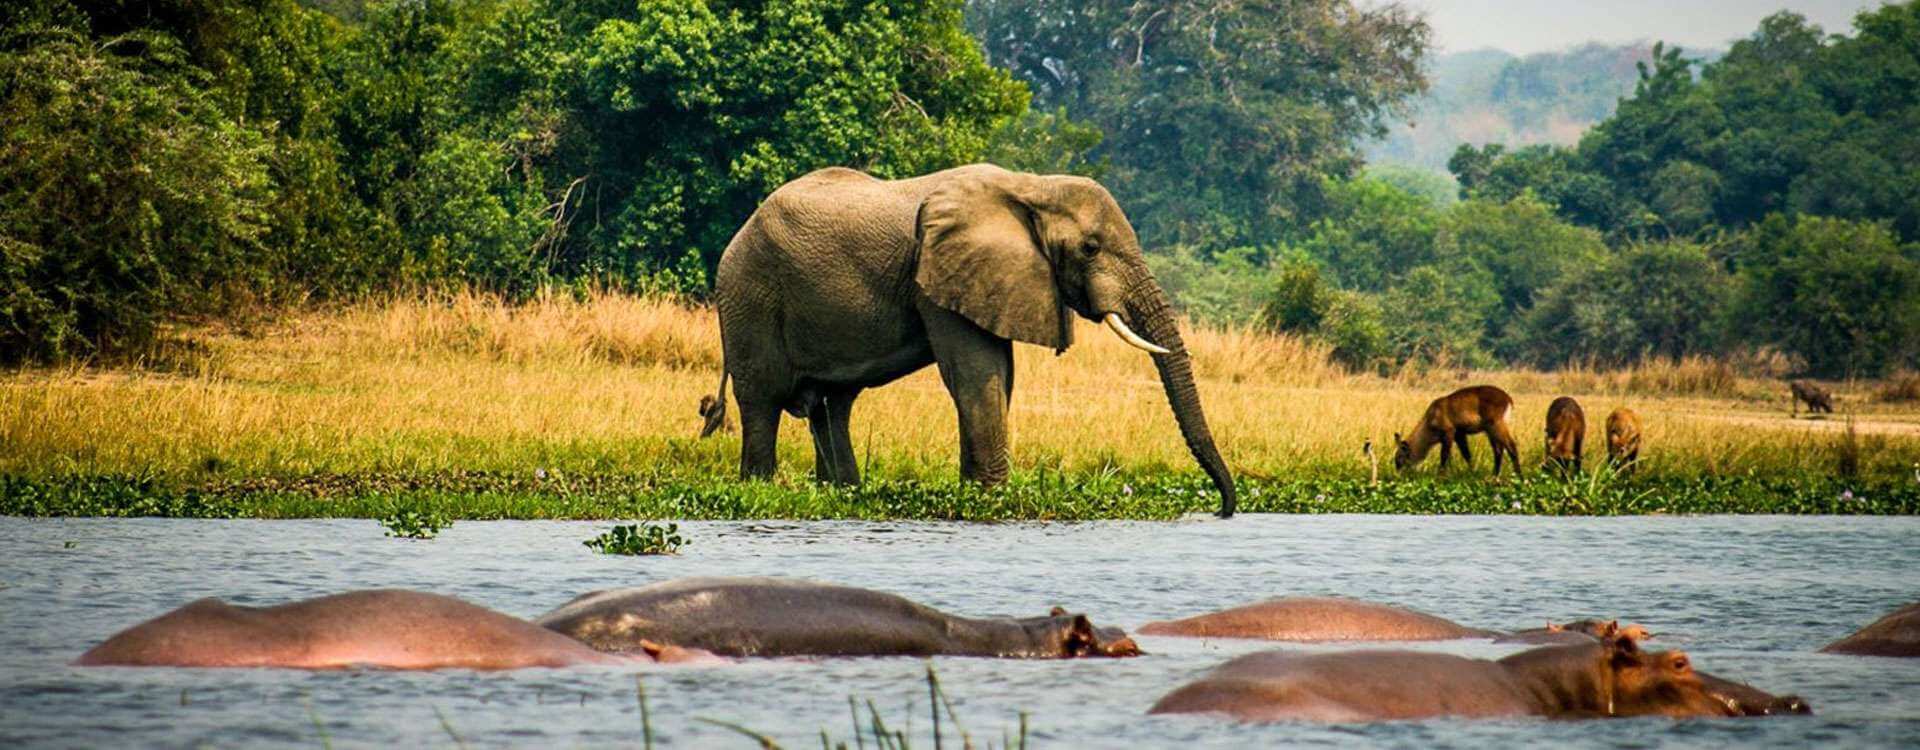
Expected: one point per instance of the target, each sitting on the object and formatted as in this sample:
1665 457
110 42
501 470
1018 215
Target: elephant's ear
980 256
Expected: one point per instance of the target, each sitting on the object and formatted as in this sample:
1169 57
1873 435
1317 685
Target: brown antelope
1450 419
1816 398
1623 439
1566 433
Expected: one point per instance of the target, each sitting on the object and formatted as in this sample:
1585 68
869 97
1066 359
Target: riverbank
1028 497
585 408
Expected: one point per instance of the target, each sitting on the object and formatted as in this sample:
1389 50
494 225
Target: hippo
1577 631
774 617
1310 618
1897 634
1611 678
389 629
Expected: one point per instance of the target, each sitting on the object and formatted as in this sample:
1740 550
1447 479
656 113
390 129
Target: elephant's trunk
1147 307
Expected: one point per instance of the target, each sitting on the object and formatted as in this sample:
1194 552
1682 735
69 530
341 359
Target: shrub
643 539
127 197
412 524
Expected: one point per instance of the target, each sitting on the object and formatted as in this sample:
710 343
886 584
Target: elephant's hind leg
833 459
759 437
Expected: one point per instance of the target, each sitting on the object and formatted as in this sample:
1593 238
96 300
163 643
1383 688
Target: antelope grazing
1623 439
1450 419
1566 434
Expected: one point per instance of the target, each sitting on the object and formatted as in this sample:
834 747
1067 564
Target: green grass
1029 496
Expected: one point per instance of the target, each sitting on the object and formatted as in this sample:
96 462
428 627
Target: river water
1749 597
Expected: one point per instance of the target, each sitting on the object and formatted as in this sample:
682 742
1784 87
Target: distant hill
1484 96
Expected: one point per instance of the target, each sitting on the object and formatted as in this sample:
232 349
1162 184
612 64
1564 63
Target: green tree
1371 233
128 197
1843 295
1230 288
1220 119
1521 246
1660 299
1440 312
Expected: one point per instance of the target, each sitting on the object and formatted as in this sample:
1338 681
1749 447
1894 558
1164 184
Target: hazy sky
1524 26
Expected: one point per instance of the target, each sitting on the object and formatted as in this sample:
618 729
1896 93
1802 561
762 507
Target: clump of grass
1903 387
883 736
407 523
641 539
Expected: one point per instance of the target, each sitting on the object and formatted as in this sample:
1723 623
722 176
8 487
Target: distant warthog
1816 398
713 409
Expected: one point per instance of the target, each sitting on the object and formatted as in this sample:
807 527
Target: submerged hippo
1310 618
784 617
1897 634
1591 680
1577 631
386 628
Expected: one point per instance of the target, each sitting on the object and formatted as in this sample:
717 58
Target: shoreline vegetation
583 406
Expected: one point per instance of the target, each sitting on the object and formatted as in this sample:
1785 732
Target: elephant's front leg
833 459
977 368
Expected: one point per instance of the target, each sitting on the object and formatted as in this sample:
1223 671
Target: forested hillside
1489 96
170 163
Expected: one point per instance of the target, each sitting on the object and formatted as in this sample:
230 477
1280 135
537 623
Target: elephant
1598 679
773 617
841 281
390 629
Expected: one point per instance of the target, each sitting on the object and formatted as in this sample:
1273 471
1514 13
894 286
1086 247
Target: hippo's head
1658 683
1602 629
1747 700
1073 636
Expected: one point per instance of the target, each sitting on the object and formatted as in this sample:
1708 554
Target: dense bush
1844 295
127 194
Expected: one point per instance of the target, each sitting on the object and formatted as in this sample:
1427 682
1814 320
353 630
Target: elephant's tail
714 407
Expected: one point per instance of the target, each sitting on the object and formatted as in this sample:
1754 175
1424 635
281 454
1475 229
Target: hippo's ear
1553 627
1057 612
1621 651
1080 639
1610 629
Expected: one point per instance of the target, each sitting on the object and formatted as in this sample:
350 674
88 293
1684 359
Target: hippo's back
751 617
1897 634
1350 686
1317 619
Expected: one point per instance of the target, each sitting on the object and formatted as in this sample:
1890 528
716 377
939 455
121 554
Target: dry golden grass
610 383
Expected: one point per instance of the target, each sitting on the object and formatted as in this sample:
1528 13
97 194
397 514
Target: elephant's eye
1091 247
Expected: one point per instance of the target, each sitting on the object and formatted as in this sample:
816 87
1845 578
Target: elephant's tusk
1126 334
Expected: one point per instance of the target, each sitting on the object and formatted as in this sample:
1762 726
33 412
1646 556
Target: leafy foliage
641 539
126 193
409 523
1220 118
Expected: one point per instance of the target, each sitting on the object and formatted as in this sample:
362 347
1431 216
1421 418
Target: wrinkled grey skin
841 282
785 617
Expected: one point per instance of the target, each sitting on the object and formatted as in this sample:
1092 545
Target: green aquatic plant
873 727
641 539
407 523
1027 496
